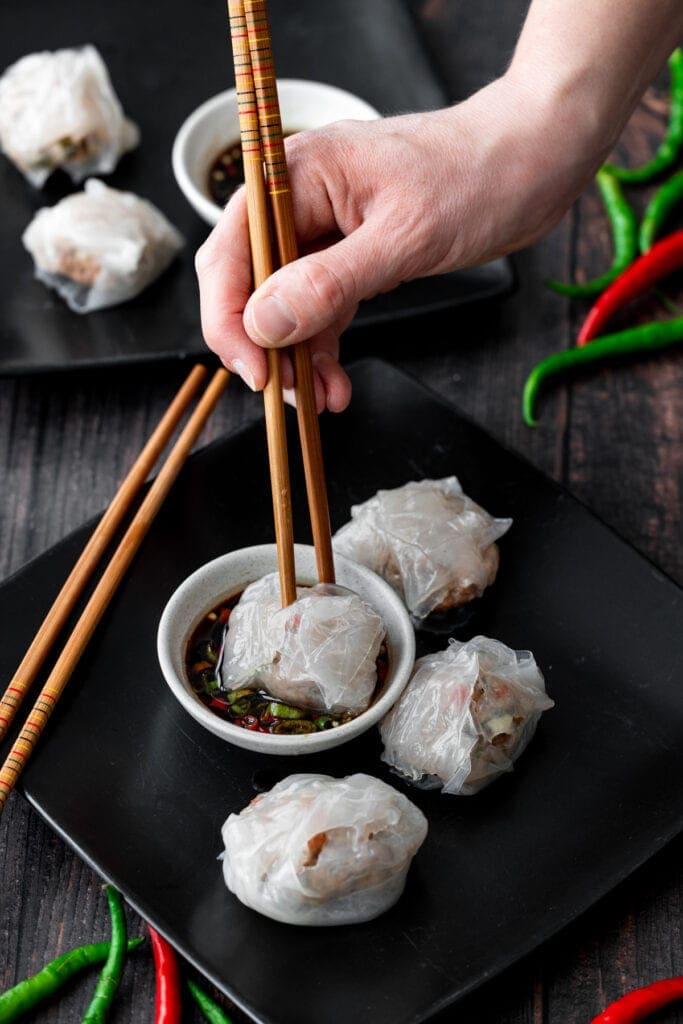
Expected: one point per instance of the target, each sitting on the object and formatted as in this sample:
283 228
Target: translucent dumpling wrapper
100 247
59 109
433 544
322 851
467 713
319 652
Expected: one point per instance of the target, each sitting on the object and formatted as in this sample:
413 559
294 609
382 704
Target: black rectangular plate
163 63
140 790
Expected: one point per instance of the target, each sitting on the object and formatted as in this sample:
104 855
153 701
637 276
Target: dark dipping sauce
253 709
227 171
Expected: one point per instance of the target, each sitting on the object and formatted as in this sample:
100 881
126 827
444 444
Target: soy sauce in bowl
255 710
226 173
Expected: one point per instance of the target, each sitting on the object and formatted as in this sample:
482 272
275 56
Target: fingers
223 266
334 379
307 296
332 385
324 286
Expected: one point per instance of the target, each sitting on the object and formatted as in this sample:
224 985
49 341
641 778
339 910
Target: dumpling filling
100 247
60 110
433 544
467 713
322 851
320 652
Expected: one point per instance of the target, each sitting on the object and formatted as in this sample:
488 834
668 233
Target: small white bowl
214 125
227 575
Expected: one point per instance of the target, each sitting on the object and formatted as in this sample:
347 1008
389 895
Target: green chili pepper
278 710
323 722
298 727
624 233
211 1010
659 208
241 707
110 978
646 338
32 991
204 651
234 695
668 151
206 680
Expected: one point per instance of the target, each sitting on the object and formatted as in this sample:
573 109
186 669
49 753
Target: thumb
308 295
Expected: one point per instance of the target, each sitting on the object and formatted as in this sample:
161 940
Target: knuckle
327 286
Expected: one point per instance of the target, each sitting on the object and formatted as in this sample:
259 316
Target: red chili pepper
218 702
639 1004
168 1004
250 722
663 258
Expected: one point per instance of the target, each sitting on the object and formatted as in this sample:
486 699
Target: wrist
517 163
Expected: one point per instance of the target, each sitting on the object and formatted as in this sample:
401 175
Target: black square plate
140 790
165 61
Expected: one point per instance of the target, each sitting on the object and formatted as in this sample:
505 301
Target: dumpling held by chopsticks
319 652
100 247
60 110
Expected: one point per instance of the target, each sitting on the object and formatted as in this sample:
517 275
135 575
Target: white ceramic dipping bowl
227 575
214 125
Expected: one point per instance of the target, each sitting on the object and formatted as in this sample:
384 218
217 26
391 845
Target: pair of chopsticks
112 575
269 200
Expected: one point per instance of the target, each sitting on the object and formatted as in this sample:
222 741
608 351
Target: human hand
377 203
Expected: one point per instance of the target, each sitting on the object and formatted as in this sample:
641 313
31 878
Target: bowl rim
204 206
401 667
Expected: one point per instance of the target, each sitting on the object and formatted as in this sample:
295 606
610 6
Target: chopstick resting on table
102 536
262 142
115 569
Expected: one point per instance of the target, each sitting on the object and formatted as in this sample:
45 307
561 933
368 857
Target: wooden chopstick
99 541
277 176
261 254
106 588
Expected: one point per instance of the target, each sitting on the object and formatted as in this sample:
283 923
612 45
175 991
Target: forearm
593 60
539 133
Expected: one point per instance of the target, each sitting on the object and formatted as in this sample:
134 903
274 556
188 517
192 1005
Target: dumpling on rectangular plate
322 851
59 109
100 247
465 716
429 540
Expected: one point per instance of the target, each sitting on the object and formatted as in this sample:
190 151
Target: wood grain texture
613 437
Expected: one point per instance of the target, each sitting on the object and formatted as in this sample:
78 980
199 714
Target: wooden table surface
613 437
